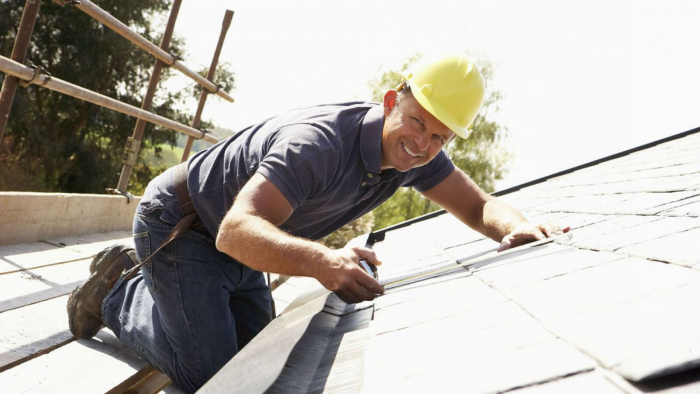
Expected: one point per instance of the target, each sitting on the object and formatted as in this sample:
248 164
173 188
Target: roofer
263 195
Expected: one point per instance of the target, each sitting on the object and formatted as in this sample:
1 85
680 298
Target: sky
580 79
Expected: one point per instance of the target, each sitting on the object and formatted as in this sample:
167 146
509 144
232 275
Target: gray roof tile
686 207
614 240
678 248
467 364
613 223
398 310
558 261
603 284
583 383
642 338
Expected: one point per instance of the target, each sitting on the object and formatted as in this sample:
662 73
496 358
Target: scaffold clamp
64 3
131 151
38 70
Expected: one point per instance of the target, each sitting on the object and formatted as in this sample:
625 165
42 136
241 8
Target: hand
347 278
525 233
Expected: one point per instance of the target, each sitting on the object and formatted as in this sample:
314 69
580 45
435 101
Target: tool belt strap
191 219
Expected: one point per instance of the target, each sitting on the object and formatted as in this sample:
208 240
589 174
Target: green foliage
224 77
339 238
61 144
152 162
481 156
403 205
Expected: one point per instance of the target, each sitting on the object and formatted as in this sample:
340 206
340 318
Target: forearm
250 234
261 245
499 219
460 196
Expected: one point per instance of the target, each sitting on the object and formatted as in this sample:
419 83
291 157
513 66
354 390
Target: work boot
85 302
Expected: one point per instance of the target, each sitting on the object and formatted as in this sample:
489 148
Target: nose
422 141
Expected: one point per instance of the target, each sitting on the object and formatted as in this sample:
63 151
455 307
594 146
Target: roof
612 310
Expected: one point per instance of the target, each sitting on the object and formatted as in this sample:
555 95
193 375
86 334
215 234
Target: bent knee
192 377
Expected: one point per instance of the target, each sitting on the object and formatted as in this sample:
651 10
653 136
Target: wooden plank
26 287
26 333
146 381
83 366
14 258
33 329
91 244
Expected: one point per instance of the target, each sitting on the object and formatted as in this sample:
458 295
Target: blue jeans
190 309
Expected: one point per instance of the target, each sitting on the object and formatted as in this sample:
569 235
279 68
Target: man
264 195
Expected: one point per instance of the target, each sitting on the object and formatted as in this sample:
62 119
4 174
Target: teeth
408 151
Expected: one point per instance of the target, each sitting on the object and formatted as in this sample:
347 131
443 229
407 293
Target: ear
389 101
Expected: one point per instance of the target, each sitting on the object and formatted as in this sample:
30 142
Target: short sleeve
426 177
300 160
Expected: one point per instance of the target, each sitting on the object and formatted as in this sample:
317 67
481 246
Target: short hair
404 89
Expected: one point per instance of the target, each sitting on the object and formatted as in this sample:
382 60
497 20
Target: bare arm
249 233
463 198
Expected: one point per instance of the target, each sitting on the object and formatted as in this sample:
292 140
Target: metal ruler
417 277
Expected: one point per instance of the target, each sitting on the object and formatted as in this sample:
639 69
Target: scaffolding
18 74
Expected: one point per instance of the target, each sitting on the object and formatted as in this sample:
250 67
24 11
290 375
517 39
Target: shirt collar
371 139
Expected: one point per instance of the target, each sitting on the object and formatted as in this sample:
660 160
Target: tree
57 143
481 156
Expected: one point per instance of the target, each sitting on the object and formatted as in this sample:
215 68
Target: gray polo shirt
325 160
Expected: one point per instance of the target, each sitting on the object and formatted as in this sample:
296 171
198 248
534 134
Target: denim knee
191 381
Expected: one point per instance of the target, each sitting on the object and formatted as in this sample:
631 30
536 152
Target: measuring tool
416 277
370 268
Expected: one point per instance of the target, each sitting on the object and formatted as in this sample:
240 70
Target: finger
551 229
505 244
360 293
367 254
520 242
347 296
511 242
351 292
532 234
370 284
365 294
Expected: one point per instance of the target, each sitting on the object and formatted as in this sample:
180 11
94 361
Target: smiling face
411 137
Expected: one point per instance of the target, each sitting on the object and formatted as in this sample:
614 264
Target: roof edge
597 161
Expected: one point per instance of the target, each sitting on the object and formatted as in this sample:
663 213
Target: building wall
31 217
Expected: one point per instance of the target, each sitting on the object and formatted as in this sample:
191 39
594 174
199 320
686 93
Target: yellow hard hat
450 87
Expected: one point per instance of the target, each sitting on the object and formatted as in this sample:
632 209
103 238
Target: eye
420 123
439 139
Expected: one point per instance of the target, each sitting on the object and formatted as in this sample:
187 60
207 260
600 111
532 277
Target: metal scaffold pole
36 76
228 16
123 30
19 54
133 144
